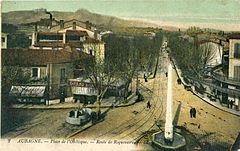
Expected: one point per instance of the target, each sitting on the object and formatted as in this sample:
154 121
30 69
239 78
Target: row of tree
16 39
191 56
125 56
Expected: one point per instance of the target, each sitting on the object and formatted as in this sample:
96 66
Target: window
91 52
63 76
73 38
3 39
237 50
237 72
36 72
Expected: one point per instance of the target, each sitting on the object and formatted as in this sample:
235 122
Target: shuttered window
36 72
237 72
63 75
237 50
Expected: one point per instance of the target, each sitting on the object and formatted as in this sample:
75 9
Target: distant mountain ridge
30 16
105 21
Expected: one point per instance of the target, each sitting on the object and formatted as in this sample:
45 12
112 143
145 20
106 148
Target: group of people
148 105
193 112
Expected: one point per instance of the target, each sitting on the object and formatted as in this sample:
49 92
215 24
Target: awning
27 91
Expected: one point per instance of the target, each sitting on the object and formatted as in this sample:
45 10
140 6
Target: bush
200 89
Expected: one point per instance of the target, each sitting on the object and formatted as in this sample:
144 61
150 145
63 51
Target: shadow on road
176 118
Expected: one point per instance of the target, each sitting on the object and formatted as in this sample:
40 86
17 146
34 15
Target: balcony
222 78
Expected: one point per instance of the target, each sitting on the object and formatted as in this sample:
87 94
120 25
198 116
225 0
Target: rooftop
91 40
76 33
235 36
49 44
28 57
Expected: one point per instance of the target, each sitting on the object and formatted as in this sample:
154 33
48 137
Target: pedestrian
194 112
231 104
166 74
148 105
145 78
228 103
191 112
140 97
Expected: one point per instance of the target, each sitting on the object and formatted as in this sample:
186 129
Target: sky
199 11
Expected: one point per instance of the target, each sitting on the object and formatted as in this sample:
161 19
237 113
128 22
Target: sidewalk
203 97
69 104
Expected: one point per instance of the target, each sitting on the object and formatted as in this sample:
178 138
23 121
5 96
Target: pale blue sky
210 11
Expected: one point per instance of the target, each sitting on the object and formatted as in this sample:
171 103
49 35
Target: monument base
159 141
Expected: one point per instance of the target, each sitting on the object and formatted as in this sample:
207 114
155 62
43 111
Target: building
150 34
73 33
83 89
4 40
48 71
234 65
226 78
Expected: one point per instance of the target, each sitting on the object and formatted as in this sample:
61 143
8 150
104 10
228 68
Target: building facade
50 69
73 34
234 65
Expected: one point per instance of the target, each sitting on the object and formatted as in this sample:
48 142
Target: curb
194 93
77 106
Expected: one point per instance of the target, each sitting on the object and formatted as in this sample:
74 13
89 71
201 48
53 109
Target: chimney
74 25
61 24
87 24
50 19
34 35
36 28
95 34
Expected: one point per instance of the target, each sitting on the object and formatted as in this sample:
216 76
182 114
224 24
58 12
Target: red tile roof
50 33
49 44
28 57
75 44
76 33
91 40
235 36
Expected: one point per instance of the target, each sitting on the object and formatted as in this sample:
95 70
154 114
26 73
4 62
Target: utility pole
48 83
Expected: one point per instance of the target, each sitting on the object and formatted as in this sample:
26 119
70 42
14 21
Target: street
128 123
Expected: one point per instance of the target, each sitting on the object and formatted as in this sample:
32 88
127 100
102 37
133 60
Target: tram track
159 93
130 123
130 127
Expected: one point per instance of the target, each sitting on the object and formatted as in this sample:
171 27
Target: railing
233 92
233 81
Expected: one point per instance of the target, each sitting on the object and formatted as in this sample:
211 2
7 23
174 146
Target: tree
102 75
132 53
16 39
12 75
192 31
190 56
125 55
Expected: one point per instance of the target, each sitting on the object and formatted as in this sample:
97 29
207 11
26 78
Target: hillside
23 17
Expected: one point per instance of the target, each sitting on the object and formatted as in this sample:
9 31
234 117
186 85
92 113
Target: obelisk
168 134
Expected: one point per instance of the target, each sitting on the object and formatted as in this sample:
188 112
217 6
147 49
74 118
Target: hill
24 17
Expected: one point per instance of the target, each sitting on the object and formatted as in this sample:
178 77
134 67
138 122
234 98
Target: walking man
145 77
191 112
148 105
231 104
